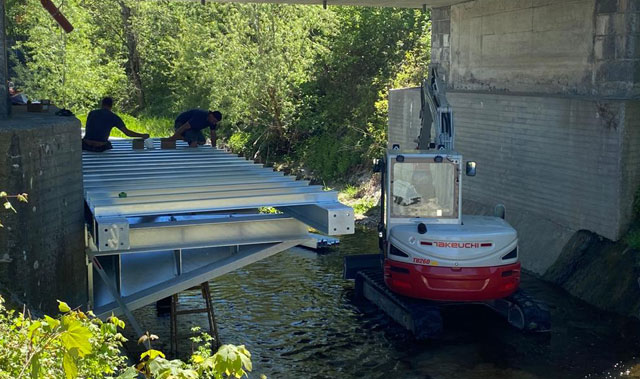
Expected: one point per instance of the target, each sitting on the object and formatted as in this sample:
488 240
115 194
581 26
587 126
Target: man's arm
178 134
214 138
129 133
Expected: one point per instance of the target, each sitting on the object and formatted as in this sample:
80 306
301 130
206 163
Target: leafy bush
239 142
74 344
77 344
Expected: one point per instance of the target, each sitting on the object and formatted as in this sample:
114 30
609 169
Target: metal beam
329 218
114 208
246 184
176 185
177 177
163 172
176 284
258 192
202 231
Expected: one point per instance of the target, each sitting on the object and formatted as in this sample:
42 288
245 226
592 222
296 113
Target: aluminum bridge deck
162 221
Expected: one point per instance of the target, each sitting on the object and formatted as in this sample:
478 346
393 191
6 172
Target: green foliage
73 345
239 142
632 238
77 344
74 69
298 85
356 198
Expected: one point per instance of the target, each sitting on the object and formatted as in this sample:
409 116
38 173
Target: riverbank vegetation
632 238
300 87
79 345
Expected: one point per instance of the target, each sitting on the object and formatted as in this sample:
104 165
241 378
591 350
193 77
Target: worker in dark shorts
99 125
189 125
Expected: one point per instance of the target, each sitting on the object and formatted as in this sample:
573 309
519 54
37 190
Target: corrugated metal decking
161 221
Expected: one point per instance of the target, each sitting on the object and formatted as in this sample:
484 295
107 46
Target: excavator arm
436 114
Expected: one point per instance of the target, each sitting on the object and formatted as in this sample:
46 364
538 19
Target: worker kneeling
99 125
189 125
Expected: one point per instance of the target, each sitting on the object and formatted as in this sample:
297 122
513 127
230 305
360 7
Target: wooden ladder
213 327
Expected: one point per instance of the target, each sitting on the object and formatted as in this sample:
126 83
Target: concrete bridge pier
546 98
42 256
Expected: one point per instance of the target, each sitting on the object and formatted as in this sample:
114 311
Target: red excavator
429 250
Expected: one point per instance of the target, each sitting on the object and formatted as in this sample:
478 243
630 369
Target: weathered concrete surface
599 271
404 117
559 158
42 245
572 47
630 176
540 240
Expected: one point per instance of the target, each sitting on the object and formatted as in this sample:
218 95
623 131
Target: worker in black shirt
99 125
189 126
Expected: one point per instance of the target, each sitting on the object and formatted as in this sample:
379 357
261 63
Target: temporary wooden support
208 309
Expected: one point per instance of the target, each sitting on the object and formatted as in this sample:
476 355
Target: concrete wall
404 118
42 245
630 177
546 97
556 163
557 157
573 47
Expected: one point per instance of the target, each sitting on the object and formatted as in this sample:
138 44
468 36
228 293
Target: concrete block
497 48
45 239
616 71
606 6
605 47
441 27
623 5
564 16
604 24
443 13
519 20
627 23
436 40
625 46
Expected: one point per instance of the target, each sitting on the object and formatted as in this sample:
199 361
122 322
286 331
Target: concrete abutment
42 245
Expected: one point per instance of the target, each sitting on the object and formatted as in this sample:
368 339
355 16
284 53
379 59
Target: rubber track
426 317
536 313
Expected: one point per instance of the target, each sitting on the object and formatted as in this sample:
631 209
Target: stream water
295 314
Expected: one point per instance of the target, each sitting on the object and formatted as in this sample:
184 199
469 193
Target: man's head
214 117
107 103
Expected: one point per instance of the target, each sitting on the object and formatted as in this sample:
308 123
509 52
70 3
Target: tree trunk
133 68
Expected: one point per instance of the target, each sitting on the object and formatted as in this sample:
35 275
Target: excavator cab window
422 188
